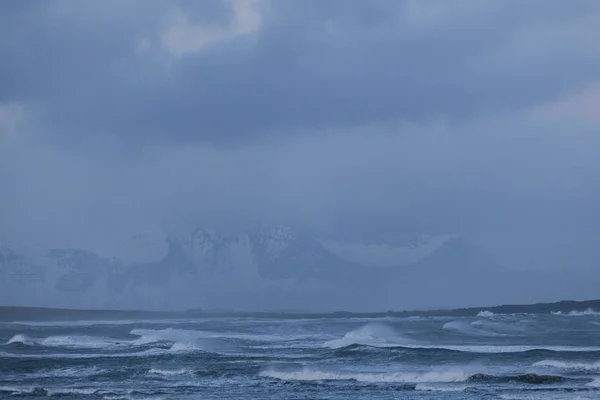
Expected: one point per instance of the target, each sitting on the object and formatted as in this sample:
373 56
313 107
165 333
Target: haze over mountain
344 154
271 268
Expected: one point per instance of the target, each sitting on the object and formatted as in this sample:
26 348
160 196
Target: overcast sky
431 116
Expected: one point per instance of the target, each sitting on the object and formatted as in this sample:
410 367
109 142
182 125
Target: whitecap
373 334
485 313
567 365
20 338
68 372
70 391
168 372
577 313
307 374
595 383
145 353
87 342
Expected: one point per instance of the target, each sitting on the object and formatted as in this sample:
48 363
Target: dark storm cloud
91 69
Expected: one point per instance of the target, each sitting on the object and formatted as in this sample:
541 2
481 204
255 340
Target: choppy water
484 357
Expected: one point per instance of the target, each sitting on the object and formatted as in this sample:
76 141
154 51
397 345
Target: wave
107 394
307 374
485 314
469 328
39 391
576 313
595 383
86 342
530 378
20 339
147 336
181 339
485 327
68 372
168 372
145 353
373 334
564 365
484 349
454 376
381 336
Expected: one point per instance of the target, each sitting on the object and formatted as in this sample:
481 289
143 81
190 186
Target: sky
469 117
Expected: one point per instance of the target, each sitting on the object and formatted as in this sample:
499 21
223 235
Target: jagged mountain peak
270 242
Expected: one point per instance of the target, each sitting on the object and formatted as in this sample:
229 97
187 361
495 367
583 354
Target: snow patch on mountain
385 254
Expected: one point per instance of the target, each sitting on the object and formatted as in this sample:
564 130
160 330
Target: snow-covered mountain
262 268
386 254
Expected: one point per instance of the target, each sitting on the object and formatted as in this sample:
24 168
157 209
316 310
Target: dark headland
11 314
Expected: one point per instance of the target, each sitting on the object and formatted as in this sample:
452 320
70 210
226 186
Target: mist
260 155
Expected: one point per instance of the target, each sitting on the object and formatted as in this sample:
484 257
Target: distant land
13 314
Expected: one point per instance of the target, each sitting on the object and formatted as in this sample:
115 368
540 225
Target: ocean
488 356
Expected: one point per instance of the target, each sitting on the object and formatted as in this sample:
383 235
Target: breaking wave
454 376
168 372
485 314
84 342
68 372
145 353
576 313
483 349
181 339
575 366
307 374
20 339
373 334
484 327
381 336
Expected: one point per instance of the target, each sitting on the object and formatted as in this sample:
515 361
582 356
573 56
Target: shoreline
17 313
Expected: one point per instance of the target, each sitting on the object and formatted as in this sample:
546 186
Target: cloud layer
338 116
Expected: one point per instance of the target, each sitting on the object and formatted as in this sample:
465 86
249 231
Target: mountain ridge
258 268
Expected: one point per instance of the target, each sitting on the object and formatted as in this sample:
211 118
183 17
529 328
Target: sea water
489 356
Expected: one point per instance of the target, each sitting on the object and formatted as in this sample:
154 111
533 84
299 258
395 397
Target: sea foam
373 334
307 374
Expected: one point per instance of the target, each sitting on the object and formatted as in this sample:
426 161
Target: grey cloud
339 117
488 176
310 66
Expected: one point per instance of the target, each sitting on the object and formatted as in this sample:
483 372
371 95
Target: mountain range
267 268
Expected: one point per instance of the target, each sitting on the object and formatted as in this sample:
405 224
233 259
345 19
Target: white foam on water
575 313
105 322
307 374
145 353
595 383
483 327
438 388
74 341
147 336
508 348
23 339
373 334
68 372
567 365
468 328
69 391
168 372
382 336
485 314
86 342
16 390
